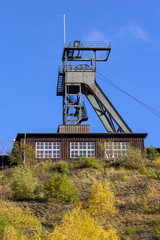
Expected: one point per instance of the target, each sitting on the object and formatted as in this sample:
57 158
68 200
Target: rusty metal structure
77 76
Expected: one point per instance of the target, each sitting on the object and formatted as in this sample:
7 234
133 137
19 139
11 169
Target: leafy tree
132 160
103 151
63 167
157 163
24 184
61 187
22 153
18 224
91 162
152 152
102 202
151 201
78 224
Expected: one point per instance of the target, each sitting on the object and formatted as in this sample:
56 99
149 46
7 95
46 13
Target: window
48 149
116 149
84 149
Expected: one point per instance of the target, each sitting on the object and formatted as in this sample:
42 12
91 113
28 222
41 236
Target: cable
106 80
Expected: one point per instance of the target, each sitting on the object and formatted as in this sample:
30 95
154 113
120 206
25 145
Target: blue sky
31 46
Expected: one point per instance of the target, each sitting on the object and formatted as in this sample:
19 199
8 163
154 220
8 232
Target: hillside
138 210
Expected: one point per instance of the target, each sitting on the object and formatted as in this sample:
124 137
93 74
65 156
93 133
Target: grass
128 185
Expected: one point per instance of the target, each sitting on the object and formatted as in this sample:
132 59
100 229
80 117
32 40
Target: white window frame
115 149
84 149
48 149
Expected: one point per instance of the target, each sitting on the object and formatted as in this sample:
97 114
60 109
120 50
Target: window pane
48 145
82 153
74 154
74 145
58 145
90 153
125 145
39 145
108 145
48 154
91 145
117 145
40 154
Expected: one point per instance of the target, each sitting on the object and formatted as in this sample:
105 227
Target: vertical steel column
94 60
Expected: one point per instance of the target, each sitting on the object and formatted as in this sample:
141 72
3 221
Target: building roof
91 135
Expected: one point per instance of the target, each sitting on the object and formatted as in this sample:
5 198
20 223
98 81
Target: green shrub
61 187
157 172
63 167
91 162
125 178
143 170
150 172
132 160
130 230
3 179
80 158
156 227
43 167
152 153
24 184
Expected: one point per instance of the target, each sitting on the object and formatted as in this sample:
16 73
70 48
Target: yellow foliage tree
79 225
102 202
157 163
18 224
11 234
151 201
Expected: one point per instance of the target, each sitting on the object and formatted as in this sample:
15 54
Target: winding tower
77 76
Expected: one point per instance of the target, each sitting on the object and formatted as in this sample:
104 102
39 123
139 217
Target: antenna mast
64 19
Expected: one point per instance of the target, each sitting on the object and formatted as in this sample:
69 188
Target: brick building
72 141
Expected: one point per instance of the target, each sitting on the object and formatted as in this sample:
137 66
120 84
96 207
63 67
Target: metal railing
88 44
76 67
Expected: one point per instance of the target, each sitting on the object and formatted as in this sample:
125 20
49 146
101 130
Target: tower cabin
77 77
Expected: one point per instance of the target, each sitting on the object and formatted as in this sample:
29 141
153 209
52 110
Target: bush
157 172
157 163
5 192
156 227
151 198
3 179
63 167
91 162
16 223
152 153
143 170
125 178
78 224
150 172
24 184
132 160
60 187
101 203
43 167
130 230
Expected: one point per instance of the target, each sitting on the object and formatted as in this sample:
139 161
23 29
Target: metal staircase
80 110
60 84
